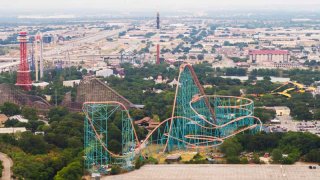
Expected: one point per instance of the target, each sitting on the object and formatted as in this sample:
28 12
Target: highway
79 42
7 163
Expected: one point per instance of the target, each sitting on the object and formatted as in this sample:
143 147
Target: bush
313 156
233 160
231 147
1 167
244 160
276 155
256 159
152 160
72 171
115 169
287 160
138 163
10 109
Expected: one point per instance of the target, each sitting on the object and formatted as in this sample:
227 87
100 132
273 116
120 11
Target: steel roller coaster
198 121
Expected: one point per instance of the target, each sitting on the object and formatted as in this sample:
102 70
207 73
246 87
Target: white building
104 72
42 85
19 118
71 83
282 110
12 130
173 83
160 80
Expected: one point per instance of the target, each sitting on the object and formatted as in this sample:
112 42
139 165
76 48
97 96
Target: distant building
147 123
12 130
19 118
160 80
42 85
71 83
173 83
104 73
268 56
228 50
282 110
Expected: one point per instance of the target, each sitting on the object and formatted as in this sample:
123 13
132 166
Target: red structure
23 76
158 54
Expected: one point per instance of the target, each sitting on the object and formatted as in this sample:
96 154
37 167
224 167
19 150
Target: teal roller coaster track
198 121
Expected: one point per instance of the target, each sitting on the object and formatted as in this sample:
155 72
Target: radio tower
23 76
158 32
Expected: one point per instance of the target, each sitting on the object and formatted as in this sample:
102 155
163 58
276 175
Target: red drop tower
23 76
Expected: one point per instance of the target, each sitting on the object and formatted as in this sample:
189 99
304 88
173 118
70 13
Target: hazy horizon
72 6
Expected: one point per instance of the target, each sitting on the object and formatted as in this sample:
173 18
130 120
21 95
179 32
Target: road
221 172
7 163
287 122
80 41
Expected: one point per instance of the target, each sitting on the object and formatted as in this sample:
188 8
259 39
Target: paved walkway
221 172
7 164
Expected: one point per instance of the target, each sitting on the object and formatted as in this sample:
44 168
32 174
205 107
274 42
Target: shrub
287 160
233 160
115 169
152 160
244 160
138 162
313 156
256 159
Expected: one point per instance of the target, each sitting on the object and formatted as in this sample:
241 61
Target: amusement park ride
198 121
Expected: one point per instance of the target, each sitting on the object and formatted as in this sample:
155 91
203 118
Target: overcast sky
153 5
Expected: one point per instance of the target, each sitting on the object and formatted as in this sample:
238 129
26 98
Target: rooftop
221 171
266 52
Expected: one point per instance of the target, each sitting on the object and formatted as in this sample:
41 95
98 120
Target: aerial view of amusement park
164 90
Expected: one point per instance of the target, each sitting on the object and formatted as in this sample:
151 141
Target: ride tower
99 141
23 73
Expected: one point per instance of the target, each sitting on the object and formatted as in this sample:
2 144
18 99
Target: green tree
137 114
244 160
313 156
34 144
276 155
10 109
231 147
200 57
233 160
138 162
115 169
56 113
71 172
29 113
264 115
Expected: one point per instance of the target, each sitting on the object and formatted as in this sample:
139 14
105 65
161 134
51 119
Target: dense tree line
55 155
297 145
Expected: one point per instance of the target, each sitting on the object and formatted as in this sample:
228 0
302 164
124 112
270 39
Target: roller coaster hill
198 121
